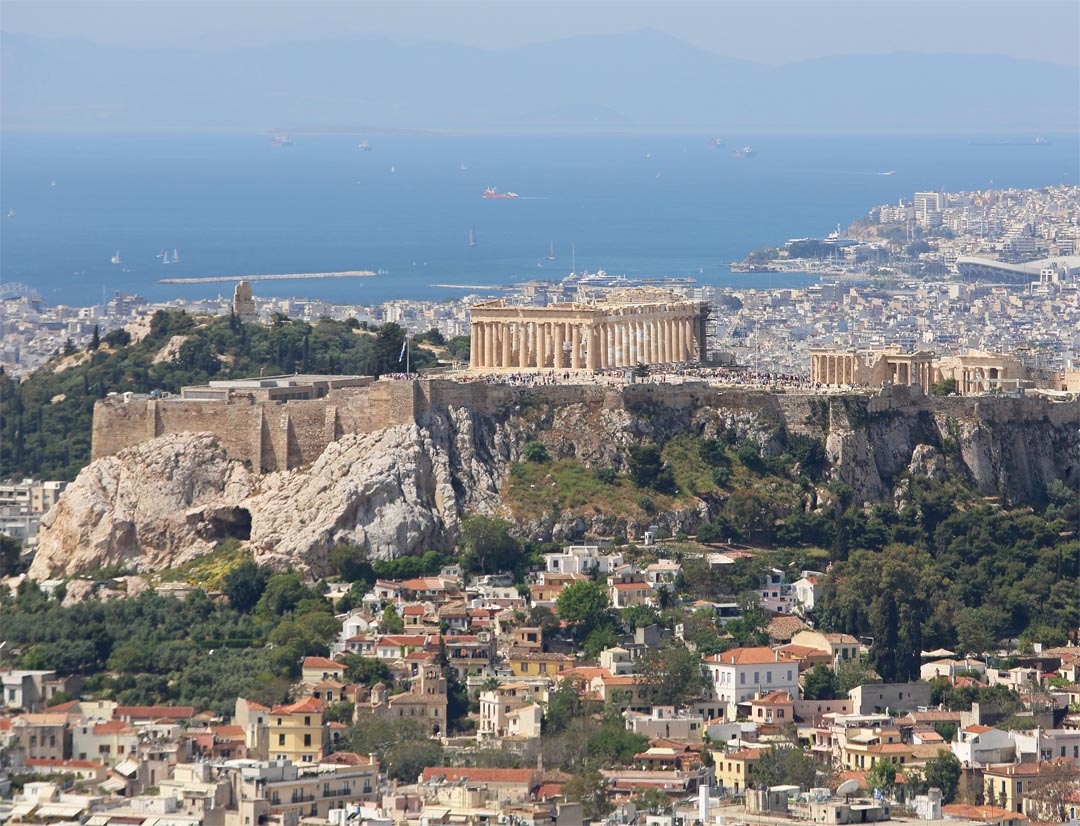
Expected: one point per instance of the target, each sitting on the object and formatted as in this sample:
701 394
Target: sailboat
116 258
165 257
175 256
472 237
551 252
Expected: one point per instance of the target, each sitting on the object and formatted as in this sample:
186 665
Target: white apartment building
582 559
743 673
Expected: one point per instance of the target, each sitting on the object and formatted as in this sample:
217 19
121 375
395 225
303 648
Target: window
307 739
742 678
789 675
307 721
281 739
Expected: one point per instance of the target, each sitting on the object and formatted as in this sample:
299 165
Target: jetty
288 276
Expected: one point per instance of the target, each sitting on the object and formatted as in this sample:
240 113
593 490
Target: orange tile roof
112 727
986 813
744 656
743 754
307 706
52 762
322 662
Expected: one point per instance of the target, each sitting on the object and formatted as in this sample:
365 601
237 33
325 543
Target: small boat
716 144
551 252
364 146
175 257
392 170
165 257
491 192
463 167
472 237
890 172
11 213
281 140
52 183
116 258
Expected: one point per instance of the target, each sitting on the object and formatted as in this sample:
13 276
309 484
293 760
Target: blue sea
235 205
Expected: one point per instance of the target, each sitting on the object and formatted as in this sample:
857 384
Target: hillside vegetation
45 421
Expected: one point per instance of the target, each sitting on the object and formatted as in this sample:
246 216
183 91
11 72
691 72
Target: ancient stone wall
283 435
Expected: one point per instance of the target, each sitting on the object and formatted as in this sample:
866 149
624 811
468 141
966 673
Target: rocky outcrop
391 492
403 489
151 506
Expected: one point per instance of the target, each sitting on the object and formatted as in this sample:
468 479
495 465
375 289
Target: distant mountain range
638 81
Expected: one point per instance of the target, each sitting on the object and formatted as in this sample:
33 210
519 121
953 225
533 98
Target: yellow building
297 732
735 770
1007 784
531 663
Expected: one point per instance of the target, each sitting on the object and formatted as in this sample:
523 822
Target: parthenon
624 328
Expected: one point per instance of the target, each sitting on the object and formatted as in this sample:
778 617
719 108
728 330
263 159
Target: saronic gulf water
235 205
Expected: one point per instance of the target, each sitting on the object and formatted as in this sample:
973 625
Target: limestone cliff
403 488
151 506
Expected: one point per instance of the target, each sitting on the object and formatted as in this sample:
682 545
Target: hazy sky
767 31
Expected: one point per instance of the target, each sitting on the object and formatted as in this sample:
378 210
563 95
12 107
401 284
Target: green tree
819 683
10 553
365 670
95 339
672 675
589 788
583 605
648 469
392 622
244 585
882 777
487 544
941 772
785 766
535 452
351 563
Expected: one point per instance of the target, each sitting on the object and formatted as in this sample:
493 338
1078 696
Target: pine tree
95 339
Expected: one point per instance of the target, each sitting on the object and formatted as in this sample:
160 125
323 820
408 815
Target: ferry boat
491 192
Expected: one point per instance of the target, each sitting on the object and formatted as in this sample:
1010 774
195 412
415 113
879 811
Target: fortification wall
281 435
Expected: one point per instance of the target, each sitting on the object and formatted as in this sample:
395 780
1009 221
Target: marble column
560 343
504 334
575 347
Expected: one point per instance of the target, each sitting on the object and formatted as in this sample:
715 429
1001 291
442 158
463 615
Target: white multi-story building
743 673
582 559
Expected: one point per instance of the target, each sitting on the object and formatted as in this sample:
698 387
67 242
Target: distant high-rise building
243 303
928 208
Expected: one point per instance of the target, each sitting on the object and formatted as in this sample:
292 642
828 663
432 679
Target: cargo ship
491 192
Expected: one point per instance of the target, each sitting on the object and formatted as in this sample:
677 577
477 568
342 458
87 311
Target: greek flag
404 344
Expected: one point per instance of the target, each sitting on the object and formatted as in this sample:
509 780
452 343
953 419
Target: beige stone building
625 328
974 373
